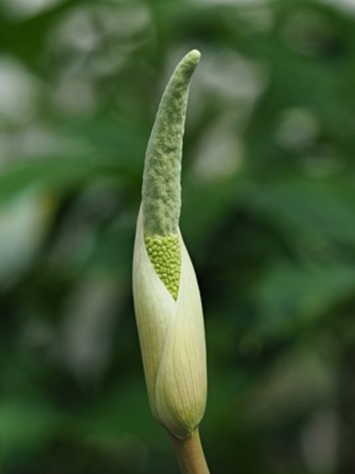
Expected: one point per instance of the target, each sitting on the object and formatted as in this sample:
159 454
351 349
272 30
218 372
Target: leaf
52 174
25 425
310 213
290 296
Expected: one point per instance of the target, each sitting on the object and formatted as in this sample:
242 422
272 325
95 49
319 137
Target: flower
166 295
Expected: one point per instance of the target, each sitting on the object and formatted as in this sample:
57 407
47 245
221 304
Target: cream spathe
172 341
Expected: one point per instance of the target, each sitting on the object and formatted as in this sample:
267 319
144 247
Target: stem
190 454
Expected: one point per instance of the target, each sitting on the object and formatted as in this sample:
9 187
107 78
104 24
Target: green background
268 217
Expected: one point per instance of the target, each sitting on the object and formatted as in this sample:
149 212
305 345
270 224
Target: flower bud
166 295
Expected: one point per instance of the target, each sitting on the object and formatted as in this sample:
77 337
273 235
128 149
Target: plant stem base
190 455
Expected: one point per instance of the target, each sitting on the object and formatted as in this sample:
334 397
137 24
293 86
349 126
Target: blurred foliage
268 217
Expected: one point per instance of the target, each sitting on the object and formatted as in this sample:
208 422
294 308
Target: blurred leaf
312 214
23 224
25 425
291 296
53 174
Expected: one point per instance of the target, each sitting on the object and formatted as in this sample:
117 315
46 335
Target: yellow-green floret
164 253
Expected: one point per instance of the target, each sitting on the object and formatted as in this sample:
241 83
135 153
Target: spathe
172 340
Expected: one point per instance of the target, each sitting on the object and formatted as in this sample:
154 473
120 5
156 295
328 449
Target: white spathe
172 341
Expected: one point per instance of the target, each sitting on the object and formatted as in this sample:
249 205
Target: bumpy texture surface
164 253
161 181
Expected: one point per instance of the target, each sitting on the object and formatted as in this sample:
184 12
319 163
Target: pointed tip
192 58
195 55
186 67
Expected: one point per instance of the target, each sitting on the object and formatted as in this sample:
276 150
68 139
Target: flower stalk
190 454
166 294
